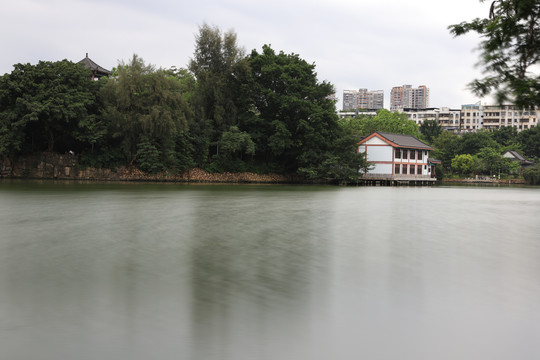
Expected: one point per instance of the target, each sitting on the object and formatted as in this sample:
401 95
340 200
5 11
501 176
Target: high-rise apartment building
407 97
363 99
370 99
350 100
399 97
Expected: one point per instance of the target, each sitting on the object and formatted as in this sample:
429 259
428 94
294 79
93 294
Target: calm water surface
143 271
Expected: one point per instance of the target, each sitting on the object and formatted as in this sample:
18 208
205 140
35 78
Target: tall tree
147 111
219 65
431 129
47 106
506 136
509 51
472 143
293 120
447 146
530 141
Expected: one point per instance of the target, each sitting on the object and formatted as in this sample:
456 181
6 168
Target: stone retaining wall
66 167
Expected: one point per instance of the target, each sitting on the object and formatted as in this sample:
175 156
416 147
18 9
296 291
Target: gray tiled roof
405 141
93 66
516 155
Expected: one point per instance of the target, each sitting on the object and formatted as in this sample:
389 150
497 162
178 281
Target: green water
216 272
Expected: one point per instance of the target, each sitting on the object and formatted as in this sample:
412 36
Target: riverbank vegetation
227 111
481 153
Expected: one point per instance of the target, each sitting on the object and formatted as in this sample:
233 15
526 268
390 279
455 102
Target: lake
247 272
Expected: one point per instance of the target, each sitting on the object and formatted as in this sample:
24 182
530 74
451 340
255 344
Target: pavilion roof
96 69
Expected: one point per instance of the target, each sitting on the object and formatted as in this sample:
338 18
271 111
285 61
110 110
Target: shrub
532 175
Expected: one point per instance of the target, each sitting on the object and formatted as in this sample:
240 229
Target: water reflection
268 272
254 272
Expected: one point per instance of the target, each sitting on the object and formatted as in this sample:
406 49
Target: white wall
379 153
381 169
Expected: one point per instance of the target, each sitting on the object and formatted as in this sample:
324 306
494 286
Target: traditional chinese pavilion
97 71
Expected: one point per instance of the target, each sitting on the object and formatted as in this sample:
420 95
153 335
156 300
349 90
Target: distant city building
494 117
474 117
353 114
471 117
407 97
449 119
363 99
350 100
370 99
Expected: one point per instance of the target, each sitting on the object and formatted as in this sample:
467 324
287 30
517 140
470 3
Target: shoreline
53 166
519 181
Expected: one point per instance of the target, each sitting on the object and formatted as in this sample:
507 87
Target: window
419 155
404 169
398 154
396 169
412 169
405 154
419 168
413 154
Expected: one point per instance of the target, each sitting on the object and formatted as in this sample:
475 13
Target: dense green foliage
48 106
430 129
293 122
532 175
481 152
146 112
463 164
510 51
221 70
385 121
509 55
265 112
529 141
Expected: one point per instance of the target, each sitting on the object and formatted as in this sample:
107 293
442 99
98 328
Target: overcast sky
353 43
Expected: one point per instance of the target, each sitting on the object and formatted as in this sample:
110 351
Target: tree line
474 153
509 57
227 111
480 153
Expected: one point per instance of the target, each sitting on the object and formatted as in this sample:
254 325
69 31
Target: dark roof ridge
403 140
89 63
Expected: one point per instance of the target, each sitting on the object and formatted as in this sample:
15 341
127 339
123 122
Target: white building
396 157
478 116
448 119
